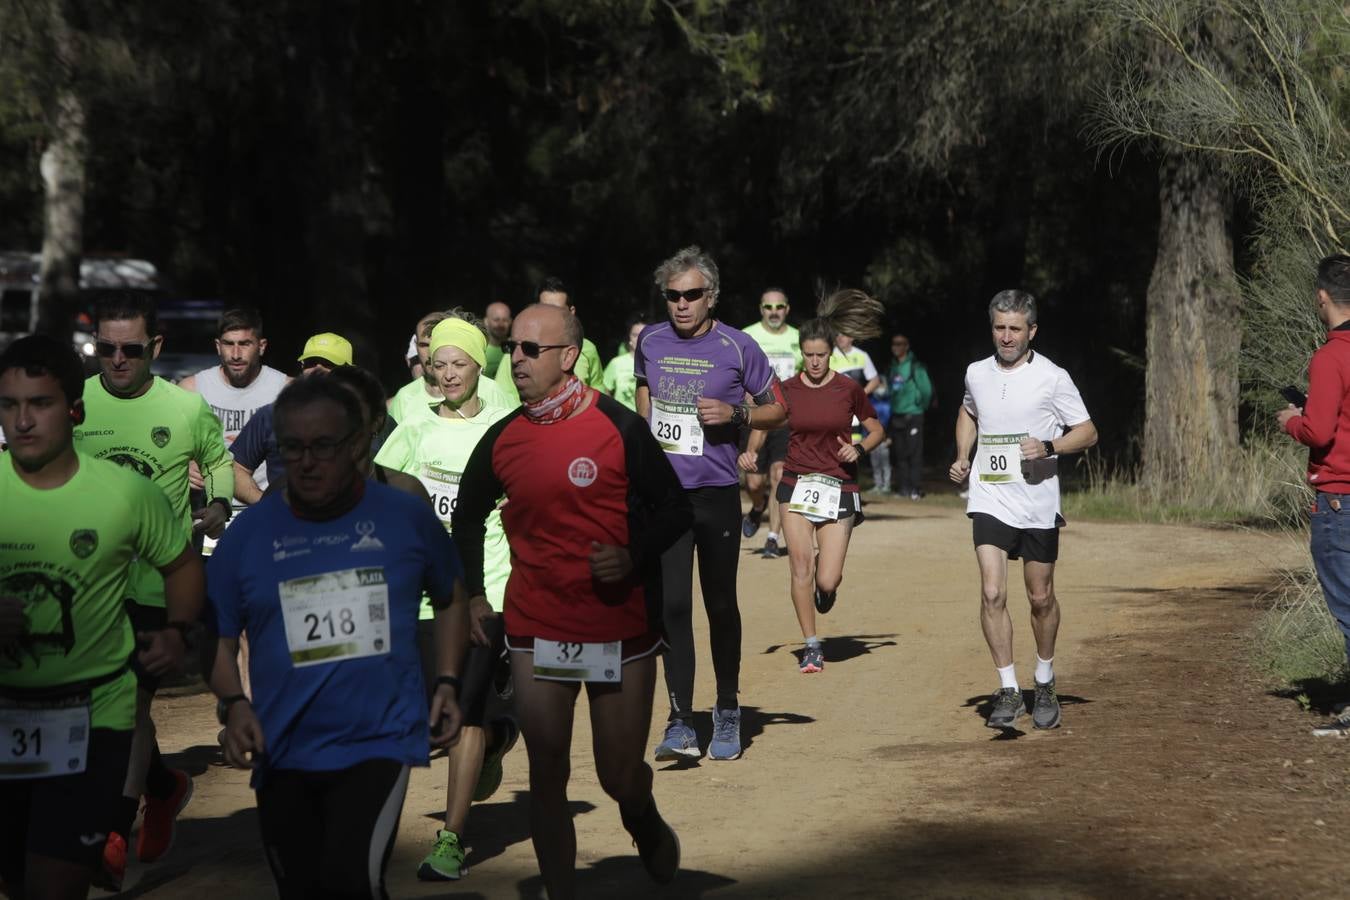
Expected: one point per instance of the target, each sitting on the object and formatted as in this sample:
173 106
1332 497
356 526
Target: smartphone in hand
1294 396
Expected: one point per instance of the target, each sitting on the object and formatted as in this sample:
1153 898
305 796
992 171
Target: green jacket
911 390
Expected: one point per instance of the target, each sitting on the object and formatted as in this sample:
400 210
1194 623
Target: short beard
250 374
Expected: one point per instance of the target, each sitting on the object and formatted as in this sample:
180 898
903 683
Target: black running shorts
67 817
1030 544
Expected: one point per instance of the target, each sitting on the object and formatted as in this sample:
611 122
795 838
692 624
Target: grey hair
691 257
460 312
1013 301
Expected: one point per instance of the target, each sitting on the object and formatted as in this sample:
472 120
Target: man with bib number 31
1016 404
591 504
70 528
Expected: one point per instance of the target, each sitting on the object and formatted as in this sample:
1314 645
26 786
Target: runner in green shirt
436 449
154 428
780 344
421 397
72 524
619 379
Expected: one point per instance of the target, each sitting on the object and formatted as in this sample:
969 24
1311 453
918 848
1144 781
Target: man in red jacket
1323 425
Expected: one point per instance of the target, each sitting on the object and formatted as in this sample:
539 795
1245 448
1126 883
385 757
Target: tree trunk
1191 385
63 182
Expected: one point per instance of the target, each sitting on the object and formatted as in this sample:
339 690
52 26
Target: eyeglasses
323 449
133 350
773 307
673 296
529 348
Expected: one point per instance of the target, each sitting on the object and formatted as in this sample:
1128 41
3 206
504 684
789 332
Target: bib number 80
998 463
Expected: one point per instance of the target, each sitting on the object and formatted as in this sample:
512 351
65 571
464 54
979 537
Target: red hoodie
1324 426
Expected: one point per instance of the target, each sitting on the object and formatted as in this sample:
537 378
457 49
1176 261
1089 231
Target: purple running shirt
724 364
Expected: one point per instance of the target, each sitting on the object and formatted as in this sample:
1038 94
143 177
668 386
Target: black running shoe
657 844
825 602
771 549
750 523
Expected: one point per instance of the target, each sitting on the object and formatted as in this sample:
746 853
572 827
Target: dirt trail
1175 773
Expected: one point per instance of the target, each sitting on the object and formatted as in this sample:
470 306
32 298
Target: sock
1045 672
723 706
773 536
813 641
1007 677
159 781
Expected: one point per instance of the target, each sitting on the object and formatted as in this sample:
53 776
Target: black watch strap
452 680
1049 448
229 509
224 703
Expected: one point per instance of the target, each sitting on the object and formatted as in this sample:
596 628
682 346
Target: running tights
329 834
717 536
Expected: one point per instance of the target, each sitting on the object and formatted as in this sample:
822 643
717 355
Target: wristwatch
1049 448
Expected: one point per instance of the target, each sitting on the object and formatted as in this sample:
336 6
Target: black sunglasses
529 348
673 296
108 349
317 361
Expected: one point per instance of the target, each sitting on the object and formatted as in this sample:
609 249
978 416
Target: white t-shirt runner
1036 399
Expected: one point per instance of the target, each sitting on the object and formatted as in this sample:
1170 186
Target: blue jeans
1331 556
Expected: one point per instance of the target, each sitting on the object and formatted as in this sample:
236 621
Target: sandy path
877 777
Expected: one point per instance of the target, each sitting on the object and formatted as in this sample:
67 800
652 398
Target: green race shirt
68 552
620 381
784 350
155 435
413 402
493 359
435 450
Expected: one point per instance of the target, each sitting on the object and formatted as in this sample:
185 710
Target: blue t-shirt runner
331 611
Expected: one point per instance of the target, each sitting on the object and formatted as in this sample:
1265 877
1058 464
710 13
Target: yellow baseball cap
333 347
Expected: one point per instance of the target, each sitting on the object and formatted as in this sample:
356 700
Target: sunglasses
319 361
529 348
673 296
773 307
108 349
323 449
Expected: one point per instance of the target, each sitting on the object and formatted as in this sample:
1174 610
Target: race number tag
43 741
443 486
573 661
784 365
676 428
999 458
336 616
816 497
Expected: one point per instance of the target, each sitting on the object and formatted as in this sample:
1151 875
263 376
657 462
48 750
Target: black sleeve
658 507
479 491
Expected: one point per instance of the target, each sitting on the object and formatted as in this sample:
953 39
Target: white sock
813 641
773 536
1007 677
1045 671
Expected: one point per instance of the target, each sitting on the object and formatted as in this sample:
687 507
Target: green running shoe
445 862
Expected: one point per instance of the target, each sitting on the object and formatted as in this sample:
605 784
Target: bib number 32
575 661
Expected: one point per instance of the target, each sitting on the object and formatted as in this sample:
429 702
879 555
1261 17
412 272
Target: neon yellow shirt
435 450
155 435
784 350
620 381
67 552
413 402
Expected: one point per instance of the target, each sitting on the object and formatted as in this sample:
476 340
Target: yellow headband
455 332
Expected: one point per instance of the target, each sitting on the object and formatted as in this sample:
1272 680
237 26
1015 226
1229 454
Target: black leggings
717 535
329 834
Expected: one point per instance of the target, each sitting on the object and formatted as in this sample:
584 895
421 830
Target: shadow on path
983 705
753 722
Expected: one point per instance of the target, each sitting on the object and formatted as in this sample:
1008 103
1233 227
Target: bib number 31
575 661
43 742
